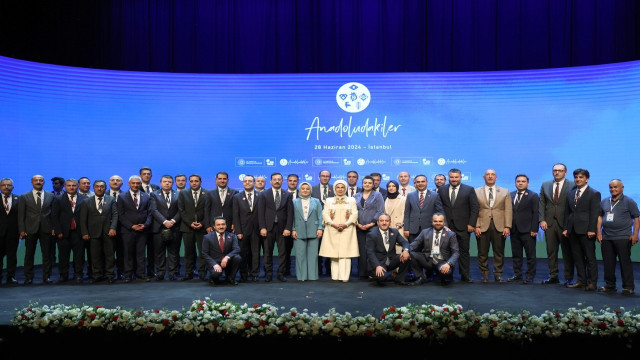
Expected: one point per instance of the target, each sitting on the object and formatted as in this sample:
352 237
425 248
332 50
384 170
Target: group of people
388 231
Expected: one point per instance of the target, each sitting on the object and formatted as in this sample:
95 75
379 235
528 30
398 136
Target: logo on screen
426 161
347 162
240 162
441 161
386 177
241 177
353 97
361 161
283 162
308 177
318 161
270 162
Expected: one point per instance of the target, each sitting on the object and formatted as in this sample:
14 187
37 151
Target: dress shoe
445 282
233 282
47 281
268 279
499 279
62 280
551 280
281 278
159 278
527 281
466 280
12 281
576 285
606 289
514 278
568 282
143 279
416 282
590 287
91 281
627 292
127 280
28 282
255 279
111 280
202 277
485 280
187 277
77 279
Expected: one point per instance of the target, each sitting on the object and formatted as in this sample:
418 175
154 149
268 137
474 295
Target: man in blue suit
166 229
221 251
435 249
218 202
134 215
381 251
419 208
524 229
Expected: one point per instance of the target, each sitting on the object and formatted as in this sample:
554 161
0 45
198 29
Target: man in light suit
352 180
191 206
115 183
34 223
245 223
65 216
582 210
99 224
524 230
275 218
9 233
435 249
419 208
404 189
134 215
460 205
493 225
218 202
553 197
166 229
221 251
324 190
381 243
377 177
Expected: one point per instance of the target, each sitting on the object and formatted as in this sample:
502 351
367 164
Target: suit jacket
213 207
317 193
62 213
128 215
267 211
358 190
94 223
377 254
211 247
547 207
373 207
416 218
465 209
502 211
307 229
32 219
245 217
189 211
382 191
297 193
448 245
154 188
525 213
9 222
582 217
161 213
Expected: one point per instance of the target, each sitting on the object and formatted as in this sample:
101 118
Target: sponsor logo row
345 161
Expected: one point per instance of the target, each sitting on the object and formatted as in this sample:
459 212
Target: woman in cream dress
394 206
339 241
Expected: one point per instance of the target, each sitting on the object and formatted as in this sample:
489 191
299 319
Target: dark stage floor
356 297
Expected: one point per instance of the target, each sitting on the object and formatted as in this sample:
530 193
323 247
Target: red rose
175 317
24 317
80 323
392 309
256 305
98 307
92 316
29 309
368 332
412 322
397 327
214 323
449 332
293 313
201 302
445 309
617 311
114 318
587 321
284 328
157 311
341 333
558 315
383 316
263 323
620 322
427 331
149 329
326 321
399 316
472 330
247 325
167 321
139 313
602 325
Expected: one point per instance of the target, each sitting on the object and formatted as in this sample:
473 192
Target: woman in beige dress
339 241
394 206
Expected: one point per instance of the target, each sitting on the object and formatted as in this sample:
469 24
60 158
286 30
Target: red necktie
73 219
135 200
555 193
221 240
6 203
421 199
404 191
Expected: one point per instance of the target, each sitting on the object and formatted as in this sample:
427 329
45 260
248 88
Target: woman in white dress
339 241
394 206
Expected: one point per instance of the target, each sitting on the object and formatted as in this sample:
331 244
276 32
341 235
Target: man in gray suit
553 196
34 223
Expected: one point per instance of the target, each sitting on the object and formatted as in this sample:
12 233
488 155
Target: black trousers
72 243
151 254
30 244
621 249
102 258
583 250
134 245
464 261
231 270
167 253
394 263
556 241
9 248
249 254
274 237
520 241
419 261
192 241
363 263
119 250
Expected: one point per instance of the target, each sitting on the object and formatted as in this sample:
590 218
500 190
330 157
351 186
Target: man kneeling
381 251
220 250
435 248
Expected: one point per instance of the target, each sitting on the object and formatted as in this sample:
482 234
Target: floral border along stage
430 322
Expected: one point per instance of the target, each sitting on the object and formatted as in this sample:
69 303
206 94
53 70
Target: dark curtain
288 36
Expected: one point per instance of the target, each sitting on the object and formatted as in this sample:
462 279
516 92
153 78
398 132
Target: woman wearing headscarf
370 206
339 241
394 206
306 232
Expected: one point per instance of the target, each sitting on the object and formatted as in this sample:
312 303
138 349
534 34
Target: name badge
609 217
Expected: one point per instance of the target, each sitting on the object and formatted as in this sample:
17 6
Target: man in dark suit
439 181
292 189
34 223
419 208
352 180
580 226
324 190
115 183
134 215
524 229
553 197
191 206
148 188
98 225
380 245
260 183
221 251
181 182
65 216
275 218
166 229
460 205
377 177
218 202
9 234
145 177
435 249
245 223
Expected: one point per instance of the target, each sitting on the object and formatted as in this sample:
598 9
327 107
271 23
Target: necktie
195 197
100 205
404 191
324 193
556 194
168 199
351 192
147 189
577 198
277 203
38 200
453 195
135 200
490 197
421 198
73 219
6 203
250 201
115 195
519 197
223 195
221 241
386 239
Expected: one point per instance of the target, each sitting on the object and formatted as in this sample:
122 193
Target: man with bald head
34 224
405 188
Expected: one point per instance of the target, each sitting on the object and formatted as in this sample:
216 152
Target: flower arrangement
432 323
